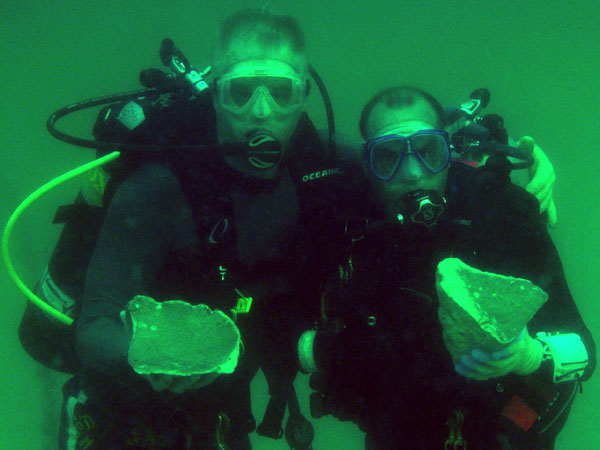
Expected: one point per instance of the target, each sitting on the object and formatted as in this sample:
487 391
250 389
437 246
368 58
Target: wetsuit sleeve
560 312
147 216
524 242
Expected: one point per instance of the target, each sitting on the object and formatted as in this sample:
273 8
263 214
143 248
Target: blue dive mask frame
409 145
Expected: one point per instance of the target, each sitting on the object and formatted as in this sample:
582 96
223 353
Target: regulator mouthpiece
423 207
263 150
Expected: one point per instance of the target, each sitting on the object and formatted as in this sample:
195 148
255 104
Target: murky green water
538 58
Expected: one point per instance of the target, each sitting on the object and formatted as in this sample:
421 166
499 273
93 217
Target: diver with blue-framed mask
401 156
400 343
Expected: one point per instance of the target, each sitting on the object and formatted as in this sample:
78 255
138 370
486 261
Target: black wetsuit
384 362
186 226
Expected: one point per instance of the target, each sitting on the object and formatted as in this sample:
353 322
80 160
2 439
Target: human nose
410 168
261 108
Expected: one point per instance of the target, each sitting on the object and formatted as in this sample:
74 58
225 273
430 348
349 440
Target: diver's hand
522 356
178 383
542 178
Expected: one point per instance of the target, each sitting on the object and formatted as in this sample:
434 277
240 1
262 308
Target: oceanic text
320 174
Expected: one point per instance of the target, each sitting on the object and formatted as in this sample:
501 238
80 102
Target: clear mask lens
238 93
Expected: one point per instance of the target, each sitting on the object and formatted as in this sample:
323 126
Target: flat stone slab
176 338
481 309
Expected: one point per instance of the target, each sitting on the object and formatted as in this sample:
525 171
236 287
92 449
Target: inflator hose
17 213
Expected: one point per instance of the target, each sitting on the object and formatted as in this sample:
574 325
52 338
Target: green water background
538 58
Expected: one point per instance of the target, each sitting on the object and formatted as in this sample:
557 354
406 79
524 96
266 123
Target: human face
254 95
411 174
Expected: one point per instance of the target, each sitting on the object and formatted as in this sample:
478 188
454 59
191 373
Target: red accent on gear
518 412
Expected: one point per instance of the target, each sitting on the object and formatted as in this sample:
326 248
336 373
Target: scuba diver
211 202
379 353
222 193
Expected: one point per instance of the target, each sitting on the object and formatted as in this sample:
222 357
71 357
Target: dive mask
284 89
385 154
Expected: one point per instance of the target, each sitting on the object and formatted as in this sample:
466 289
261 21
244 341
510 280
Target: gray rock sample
176 338
480 309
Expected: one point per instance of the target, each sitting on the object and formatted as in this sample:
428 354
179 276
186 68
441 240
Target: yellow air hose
17 213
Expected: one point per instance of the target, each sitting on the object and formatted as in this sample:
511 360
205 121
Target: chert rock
480 309
177 338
